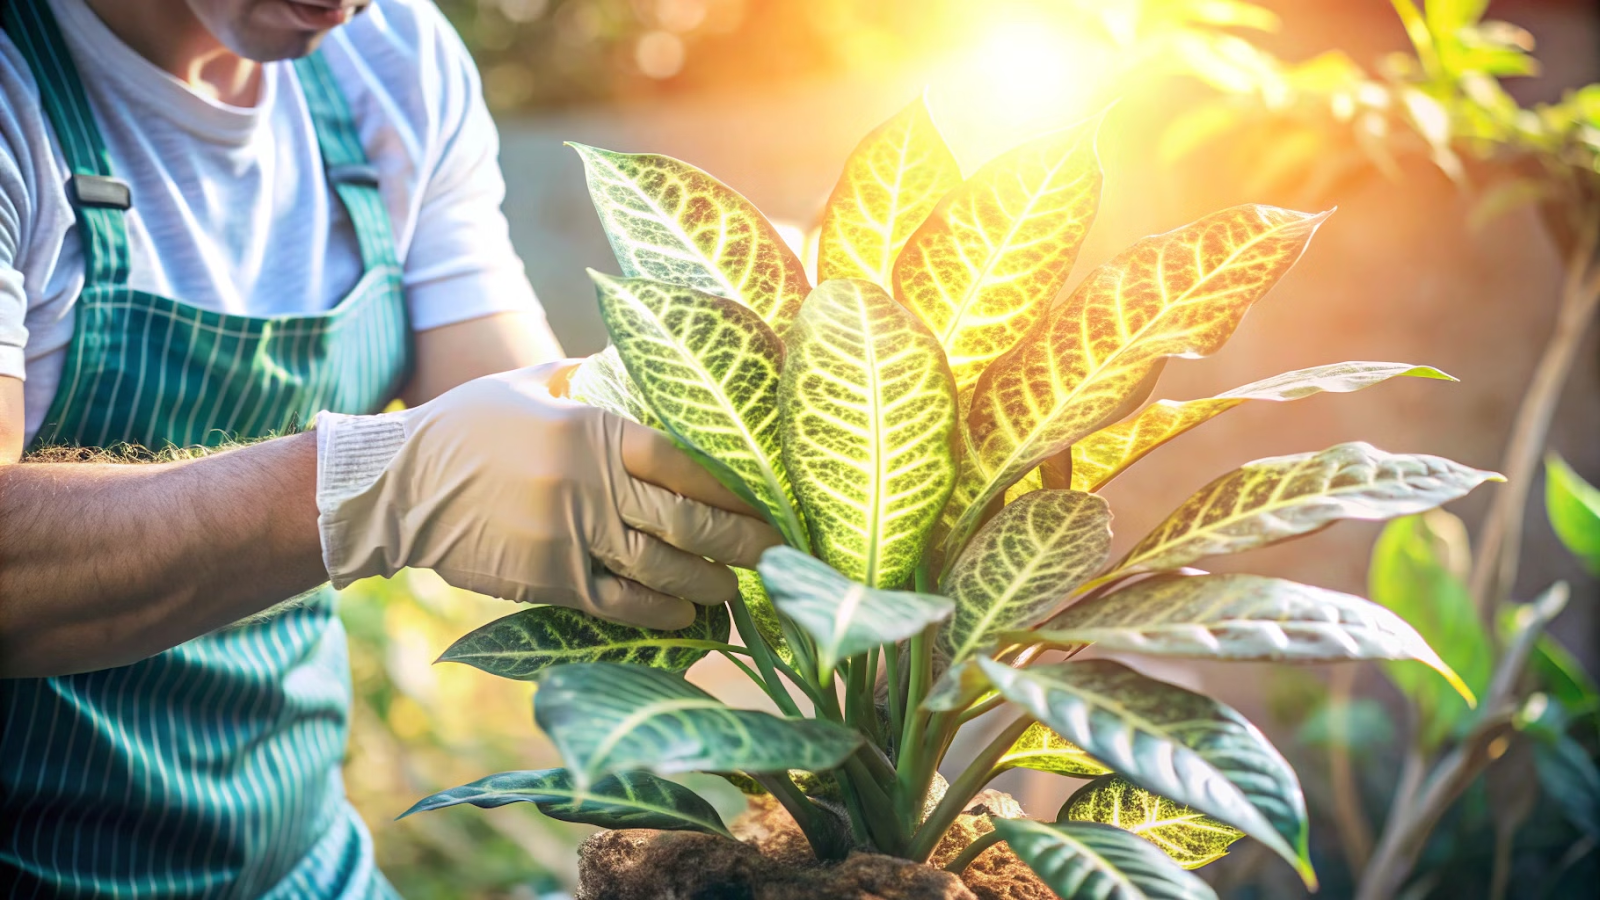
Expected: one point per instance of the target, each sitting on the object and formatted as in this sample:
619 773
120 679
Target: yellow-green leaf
670 222
1041 749
1240 617
1176 294
1104 454
1022 564
1190 838
891 182
1281 497
987 262
708 367
601 380
869 417
1573 506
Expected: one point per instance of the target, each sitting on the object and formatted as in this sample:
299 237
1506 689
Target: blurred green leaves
1417 568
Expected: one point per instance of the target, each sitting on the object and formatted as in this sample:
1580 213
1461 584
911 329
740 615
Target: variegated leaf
988 261
1173 741
601 380
624 800
1024 562
844 617
1281 497
1103 455
869 414
1191 839
525 643
606 718
958 687
709 368
670 222
1240 617
1176 294
1042 749
1090 861
893 179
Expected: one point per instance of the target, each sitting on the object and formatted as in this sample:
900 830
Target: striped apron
213 769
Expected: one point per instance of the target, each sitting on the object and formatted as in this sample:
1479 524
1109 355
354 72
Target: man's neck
167 33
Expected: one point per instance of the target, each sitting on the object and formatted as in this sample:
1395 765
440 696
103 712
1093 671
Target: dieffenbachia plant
928 432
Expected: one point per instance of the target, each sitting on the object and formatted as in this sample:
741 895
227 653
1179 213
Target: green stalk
745 668
891 659
763 657
819 833
964 788
876 808
973 851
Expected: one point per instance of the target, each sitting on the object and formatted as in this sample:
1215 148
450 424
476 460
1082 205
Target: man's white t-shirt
229 211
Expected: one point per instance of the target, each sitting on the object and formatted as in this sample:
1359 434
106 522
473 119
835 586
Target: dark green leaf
525 643
1182 745
623 800
606 718
1568 775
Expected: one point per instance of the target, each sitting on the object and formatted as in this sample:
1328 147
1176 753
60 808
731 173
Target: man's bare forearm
102 565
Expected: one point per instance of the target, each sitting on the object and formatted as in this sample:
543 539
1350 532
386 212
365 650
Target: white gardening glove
506 489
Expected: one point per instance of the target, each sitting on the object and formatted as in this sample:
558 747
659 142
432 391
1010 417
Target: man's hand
506 489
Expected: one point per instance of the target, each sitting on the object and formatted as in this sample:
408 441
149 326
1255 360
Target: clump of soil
772 861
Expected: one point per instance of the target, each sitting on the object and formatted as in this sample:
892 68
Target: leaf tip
1431 372
1459 685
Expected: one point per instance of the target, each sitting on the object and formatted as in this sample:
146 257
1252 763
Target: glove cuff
352 453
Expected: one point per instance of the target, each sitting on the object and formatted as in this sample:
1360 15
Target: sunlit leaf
1281 497
1176 294
1164 738
1574 509
1090 861
709 368
525 643
1410 575
891 182
606 718
987 262
843 616
1191 839
623 800
868 420
1043 750
1022 564
1103 455
1240 617
670 222
961 685
602 381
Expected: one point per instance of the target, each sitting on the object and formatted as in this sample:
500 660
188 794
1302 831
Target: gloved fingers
648 455
631 603
661 567
694 527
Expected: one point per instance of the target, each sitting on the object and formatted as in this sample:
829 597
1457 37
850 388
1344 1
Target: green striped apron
213 769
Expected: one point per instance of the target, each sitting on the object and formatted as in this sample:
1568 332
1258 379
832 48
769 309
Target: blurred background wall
770 96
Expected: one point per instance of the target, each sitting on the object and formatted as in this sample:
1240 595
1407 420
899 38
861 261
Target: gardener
201 242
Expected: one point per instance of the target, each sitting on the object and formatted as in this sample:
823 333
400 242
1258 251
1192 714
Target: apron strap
99 198
353 178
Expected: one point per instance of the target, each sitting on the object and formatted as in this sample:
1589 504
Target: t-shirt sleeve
461 264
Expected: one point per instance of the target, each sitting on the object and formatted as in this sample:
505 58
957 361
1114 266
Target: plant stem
964 788
891 661
818 831
1419 803
1355 835
763 657
745 668
877 810
971 852
1495 573
912 783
